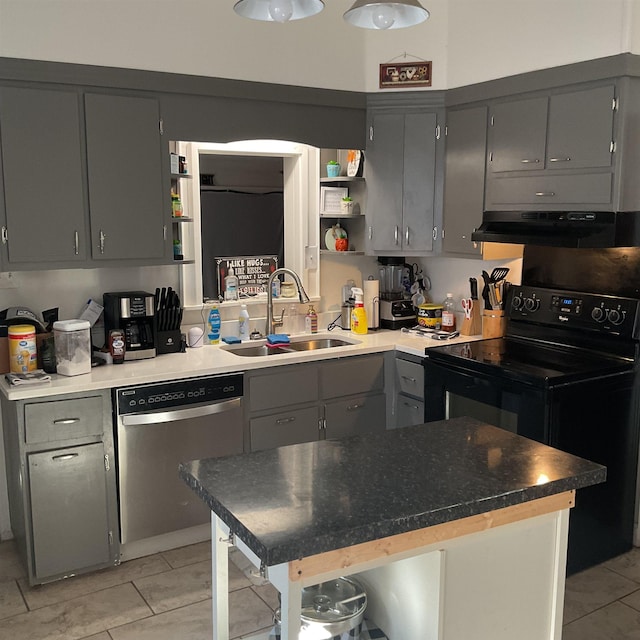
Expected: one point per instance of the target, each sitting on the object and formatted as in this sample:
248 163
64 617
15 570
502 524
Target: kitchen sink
260 348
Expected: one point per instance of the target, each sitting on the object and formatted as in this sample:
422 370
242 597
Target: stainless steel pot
331 609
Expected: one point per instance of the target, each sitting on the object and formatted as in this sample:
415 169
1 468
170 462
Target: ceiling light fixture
378 14
278 10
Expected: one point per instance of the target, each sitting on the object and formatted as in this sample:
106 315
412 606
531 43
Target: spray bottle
358 314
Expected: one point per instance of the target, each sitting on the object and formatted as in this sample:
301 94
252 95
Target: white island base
498 575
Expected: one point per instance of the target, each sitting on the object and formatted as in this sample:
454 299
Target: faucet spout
272 323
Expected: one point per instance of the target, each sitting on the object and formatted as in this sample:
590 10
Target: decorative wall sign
331 197
252 271
405 74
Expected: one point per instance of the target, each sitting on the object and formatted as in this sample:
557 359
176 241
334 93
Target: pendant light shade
377 14
278 10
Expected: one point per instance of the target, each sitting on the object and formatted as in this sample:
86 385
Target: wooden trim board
305 568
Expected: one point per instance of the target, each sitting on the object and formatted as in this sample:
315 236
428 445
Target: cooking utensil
499 273
485 290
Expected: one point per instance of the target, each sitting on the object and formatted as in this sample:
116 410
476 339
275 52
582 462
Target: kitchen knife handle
474 288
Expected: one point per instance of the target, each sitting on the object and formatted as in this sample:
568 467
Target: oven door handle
153 417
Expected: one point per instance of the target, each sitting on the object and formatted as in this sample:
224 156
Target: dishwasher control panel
178 393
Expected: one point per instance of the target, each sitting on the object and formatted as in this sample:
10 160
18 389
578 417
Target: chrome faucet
272 323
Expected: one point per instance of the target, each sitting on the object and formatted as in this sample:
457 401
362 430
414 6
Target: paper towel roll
371 299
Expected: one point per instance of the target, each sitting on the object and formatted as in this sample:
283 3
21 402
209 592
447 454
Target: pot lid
333 601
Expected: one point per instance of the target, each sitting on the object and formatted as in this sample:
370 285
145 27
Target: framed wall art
405 74
330 199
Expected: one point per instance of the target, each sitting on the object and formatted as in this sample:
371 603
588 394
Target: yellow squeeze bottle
358 314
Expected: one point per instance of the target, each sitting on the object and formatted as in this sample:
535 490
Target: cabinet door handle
370 233
107 463
4 235
64 457
533 161
66 421
396 234
75 242
406 235
285 420
371 133
164 232
559 159
102 237
354 407
545 194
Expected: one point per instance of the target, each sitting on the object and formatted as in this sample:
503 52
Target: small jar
288 289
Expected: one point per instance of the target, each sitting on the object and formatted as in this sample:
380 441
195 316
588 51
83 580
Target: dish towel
277 339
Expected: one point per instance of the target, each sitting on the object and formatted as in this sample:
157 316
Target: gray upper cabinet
401 181
553 150
44 195
466 140
518 132
129 215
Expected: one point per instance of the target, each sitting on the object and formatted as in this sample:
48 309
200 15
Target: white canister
73 347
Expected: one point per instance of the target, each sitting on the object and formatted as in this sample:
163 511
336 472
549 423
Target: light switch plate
311 257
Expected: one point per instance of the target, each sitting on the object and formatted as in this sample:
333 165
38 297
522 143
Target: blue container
333 170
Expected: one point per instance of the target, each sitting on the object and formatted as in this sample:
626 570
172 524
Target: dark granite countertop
304 499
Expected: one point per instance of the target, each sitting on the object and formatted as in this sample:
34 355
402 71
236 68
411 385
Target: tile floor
167 597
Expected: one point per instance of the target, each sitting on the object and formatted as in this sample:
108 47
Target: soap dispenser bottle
311 321
358 314
231 286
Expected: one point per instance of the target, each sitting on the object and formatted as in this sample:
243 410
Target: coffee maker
133 313
395 311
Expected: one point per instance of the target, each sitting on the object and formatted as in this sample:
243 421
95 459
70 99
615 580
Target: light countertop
214 360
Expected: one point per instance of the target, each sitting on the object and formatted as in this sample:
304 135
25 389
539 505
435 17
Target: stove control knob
532 304
516 303
598 314
615 317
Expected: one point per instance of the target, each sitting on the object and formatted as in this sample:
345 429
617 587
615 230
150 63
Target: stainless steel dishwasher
158 426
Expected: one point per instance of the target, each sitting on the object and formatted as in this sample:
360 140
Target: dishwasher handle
172 415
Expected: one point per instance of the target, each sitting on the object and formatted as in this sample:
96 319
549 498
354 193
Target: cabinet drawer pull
411 406
285 420
66 421
64 457
533 161
559 159
545 194
354 407
408 379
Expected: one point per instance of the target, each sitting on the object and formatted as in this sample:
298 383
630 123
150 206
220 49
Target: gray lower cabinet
62 485
403 179
301 403
409 384
553 149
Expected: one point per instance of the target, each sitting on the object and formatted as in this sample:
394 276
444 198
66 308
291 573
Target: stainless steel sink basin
260 348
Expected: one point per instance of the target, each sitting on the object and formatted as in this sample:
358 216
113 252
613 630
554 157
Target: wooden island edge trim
346 557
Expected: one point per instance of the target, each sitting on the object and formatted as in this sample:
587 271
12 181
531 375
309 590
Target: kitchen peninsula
457 529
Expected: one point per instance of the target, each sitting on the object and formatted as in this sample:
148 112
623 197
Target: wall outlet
8 280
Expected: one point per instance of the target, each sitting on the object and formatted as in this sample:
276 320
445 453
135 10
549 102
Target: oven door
452 392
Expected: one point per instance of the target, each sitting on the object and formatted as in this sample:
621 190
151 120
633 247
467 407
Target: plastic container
215 322
311 321
117 345
23 354
359 323
243 323
448 314
231 286
293 325
176 206
73 347
275 288
430 315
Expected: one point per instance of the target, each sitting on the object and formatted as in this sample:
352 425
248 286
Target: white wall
467 40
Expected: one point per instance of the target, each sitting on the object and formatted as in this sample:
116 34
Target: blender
395 311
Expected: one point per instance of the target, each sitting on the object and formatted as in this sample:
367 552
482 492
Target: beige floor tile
54 592
247 613
188 555
74 619
269 594
11 600
633 600
594 588
628 564
10 564
613 622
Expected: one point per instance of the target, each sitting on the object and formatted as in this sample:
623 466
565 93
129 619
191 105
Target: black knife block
168 341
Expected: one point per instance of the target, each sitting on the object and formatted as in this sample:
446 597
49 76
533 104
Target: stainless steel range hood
588 229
